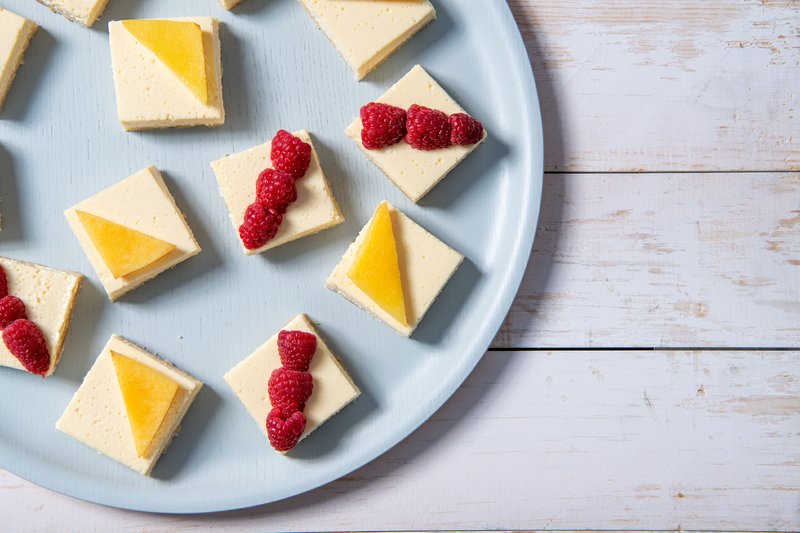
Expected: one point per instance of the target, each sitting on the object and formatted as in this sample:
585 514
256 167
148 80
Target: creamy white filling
333 387
96 415
314 210
49 297
150 95
141 202
426 264
366 33
415 172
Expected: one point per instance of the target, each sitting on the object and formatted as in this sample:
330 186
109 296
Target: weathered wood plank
654 260
666 84
587 439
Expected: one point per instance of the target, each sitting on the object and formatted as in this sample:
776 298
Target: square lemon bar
422 267
15 34
49 297
415 172
132 231
167 72
314 210
366 32
130 405
333 387
84 12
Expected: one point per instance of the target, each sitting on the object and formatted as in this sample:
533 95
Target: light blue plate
60 142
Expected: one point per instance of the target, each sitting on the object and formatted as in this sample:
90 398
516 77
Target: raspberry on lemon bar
276 192
36 305
270 379
437 137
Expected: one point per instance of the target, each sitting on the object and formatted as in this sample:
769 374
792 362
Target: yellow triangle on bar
376 269
179 45
148 395
123 250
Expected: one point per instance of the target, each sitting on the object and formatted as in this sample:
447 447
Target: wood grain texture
655 260
656 440
627 85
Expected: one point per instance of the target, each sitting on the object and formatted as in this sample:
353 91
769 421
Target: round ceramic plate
60 142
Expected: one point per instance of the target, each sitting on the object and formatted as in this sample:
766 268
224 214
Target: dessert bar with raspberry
34 298
264 209
417 166
332 389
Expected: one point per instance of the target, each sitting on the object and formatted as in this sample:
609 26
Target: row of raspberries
275 190
22 337
289 388
421 127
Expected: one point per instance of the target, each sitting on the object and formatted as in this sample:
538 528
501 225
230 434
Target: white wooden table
648 375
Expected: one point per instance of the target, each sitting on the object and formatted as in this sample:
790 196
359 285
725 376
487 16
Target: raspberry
465 130
384 125
11 309
289 154
3 283
428 129
260 225
25 341
283 429
289 389
275 190
296 349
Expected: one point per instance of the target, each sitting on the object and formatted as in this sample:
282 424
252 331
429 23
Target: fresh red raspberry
428 129
284 429
384 125
275 189
289 154
3 283
25 341
260 226
11 309
289 389
296 349
465 130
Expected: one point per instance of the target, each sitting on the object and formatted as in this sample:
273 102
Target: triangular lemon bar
376 269
148 395
124 250
179 45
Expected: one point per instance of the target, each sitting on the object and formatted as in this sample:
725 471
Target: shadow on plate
190 270
324 440
13 228
192 427
436 321
120 11
239 114
476 166
82 345
401 61
253 7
